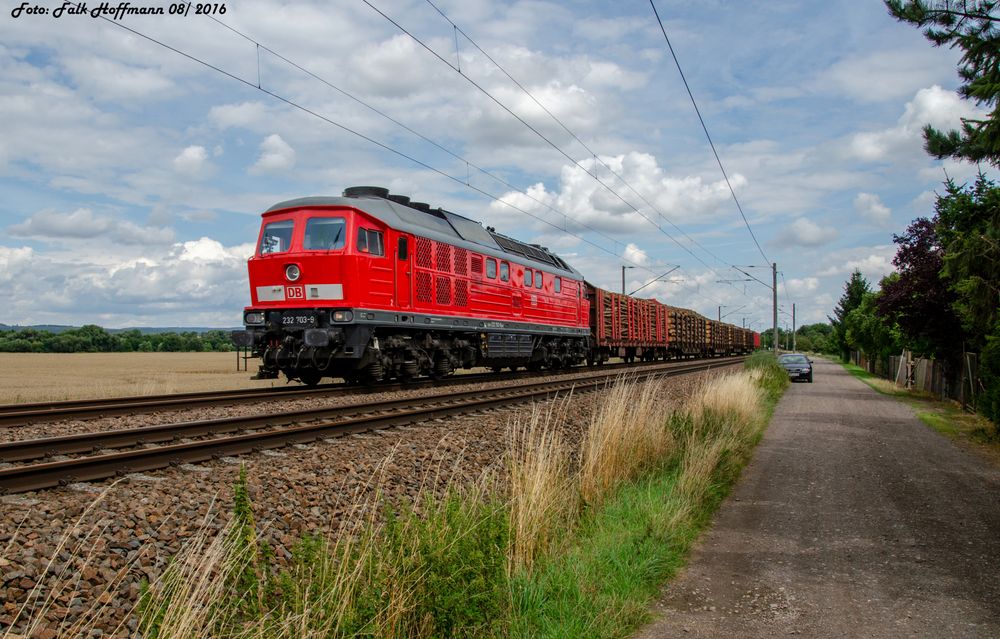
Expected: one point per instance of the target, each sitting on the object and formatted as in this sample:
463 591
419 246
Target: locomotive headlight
292 272
253 319
343 316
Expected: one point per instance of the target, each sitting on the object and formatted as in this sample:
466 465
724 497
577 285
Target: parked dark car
798 366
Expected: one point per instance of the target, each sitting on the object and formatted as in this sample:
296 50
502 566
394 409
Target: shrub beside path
853 519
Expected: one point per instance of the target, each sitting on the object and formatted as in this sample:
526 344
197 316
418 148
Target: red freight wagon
627 327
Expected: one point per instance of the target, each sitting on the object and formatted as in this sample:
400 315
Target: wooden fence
958 382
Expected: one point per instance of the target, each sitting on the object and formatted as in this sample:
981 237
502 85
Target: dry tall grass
627 435
543 495
720 418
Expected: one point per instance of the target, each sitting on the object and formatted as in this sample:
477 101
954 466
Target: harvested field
39 377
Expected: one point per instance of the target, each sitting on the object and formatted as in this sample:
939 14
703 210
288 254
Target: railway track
35 413
273 430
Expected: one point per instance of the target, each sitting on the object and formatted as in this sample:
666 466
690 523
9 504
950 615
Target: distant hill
145 330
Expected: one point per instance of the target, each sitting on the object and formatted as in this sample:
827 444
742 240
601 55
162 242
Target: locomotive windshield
325 234
276 238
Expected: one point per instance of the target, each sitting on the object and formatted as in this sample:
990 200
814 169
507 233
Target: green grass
601 584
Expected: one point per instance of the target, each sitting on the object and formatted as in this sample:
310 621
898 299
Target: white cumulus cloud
805 232
192 161
935 106
85 224
870 207
275 155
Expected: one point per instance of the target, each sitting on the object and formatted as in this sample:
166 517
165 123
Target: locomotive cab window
527 278
504 272
325 234
370 242
402 251
558 285
276 238
491 269
538 279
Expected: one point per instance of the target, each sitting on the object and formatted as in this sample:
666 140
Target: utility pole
793 326
623 277
774 293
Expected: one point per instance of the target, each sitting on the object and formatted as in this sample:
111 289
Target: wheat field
37 377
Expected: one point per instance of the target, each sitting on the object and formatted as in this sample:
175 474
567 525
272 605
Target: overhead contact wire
707 135
363 137
565 128
539 134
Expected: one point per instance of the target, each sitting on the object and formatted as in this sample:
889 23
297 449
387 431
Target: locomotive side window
324 234
402 249
491 268
277 237
527 278
370 242
538 279
504 271
558 285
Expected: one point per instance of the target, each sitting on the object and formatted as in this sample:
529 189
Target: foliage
854 292
989 371
968 224
918 300
817 338
972 27
94 339
870 332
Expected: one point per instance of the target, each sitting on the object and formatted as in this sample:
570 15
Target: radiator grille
461 261
461 293
423 287
423 253
443 289
442 253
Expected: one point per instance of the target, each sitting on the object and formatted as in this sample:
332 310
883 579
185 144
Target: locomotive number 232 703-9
299 320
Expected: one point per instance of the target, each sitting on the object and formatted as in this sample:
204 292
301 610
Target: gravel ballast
138 522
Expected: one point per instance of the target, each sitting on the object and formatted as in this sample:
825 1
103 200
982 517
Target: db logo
295 292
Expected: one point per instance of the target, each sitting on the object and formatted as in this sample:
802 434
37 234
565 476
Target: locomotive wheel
310 378
497 369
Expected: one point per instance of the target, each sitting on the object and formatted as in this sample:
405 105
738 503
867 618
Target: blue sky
132 178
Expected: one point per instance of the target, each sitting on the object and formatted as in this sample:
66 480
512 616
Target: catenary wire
371 140
412 131
448 151
705 129
540 135
565 128
375 142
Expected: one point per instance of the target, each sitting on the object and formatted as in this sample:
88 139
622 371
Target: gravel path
143 519
853 520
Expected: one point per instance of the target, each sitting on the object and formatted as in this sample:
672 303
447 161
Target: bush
989 372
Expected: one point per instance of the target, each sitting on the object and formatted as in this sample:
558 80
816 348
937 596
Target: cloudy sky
133 177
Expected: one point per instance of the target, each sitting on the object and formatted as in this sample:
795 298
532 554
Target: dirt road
853 520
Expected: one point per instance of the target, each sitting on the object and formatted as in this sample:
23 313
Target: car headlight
253 319
293 272
343 316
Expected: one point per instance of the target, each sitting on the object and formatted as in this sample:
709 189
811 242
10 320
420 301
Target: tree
917 299
968 224
854 293
971 26
868 331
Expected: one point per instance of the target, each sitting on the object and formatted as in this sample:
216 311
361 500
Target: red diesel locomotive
372 286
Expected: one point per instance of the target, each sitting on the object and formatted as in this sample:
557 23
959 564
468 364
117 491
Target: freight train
372 286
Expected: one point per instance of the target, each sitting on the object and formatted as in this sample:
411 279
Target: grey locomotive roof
450 227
